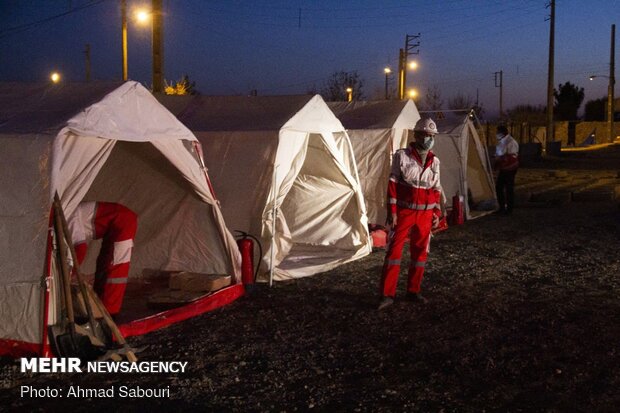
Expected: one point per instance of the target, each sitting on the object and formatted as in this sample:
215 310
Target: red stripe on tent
198 149
15 348
44 349
164 319
218 299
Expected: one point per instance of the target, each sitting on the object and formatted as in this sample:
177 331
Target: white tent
289 155
376 129
96 142
465 166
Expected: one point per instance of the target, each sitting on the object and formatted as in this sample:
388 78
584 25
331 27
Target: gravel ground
524 315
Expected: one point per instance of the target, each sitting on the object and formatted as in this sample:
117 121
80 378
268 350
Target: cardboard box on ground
192 281
185 287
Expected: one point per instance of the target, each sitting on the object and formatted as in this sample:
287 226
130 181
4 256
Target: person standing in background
506 165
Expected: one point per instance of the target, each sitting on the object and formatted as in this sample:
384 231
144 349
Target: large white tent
377 129
465 166
101 142
288 156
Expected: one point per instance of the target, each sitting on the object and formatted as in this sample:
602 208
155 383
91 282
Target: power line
18 29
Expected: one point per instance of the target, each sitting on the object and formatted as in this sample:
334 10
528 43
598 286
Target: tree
460 101
182 87
478 110
596 109
567 101
432 100
534 115
335 88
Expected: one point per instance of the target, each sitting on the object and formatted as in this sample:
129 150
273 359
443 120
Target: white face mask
499 136
428 143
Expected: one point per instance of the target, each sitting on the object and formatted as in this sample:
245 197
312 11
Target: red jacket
413 185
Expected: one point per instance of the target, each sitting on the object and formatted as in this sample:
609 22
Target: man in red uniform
506 164
414 208
116 226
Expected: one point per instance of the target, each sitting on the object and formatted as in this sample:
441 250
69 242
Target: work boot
416 298
385 302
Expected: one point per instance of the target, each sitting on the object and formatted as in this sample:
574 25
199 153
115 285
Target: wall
569 133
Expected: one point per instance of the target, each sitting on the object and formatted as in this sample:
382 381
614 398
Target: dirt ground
524 315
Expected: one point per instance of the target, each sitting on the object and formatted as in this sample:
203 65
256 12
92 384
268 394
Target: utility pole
158 47
611 86
87 56
550 135
401 73
411 48
387 72
500 85
124 37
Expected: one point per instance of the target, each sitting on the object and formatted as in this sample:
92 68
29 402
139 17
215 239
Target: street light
387 71
349 94
402 78
413 93
610 105
55 77
142 16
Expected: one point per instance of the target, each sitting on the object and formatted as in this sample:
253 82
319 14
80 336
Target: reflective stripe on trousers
417 226
116 226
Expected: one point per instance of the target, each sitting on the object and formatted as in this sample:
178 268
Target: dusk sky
229 47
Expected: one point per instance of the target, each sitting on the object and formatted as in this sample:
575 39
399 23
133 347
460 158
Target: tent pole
486 152
198 149
273 227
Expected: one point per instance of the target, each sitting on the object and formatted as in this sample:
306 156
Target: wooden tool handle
64 269
86 289
64 230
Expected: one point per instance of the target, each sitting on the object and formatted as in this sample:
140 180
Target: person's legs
418 249
499 190
116 225
391 265
510 190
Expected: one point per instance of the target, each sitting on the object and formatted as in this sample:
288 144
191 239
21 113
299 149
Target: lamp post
55 77
611 85
158 46
124 38
413 93
143 17
610 105
402 78
349 94
411 48
387 71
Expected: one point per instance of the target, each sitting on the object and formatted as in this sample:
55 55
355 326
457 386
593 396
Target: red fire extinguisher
245 242
458 211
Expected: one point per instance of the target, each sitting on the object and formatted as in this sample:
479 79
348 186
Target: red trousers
116 226
417 226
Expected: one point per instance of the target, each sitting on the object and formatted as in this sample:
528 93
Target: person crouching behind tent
414 208
116 226
506 163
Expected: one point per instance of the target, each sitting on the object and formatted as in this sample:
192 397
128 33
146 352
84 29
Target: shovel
87 291
64 339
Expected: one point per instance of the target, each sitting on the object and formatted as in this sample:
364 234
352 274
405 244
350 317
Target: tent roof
234 113
44 107
447 121
112 110
378 114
